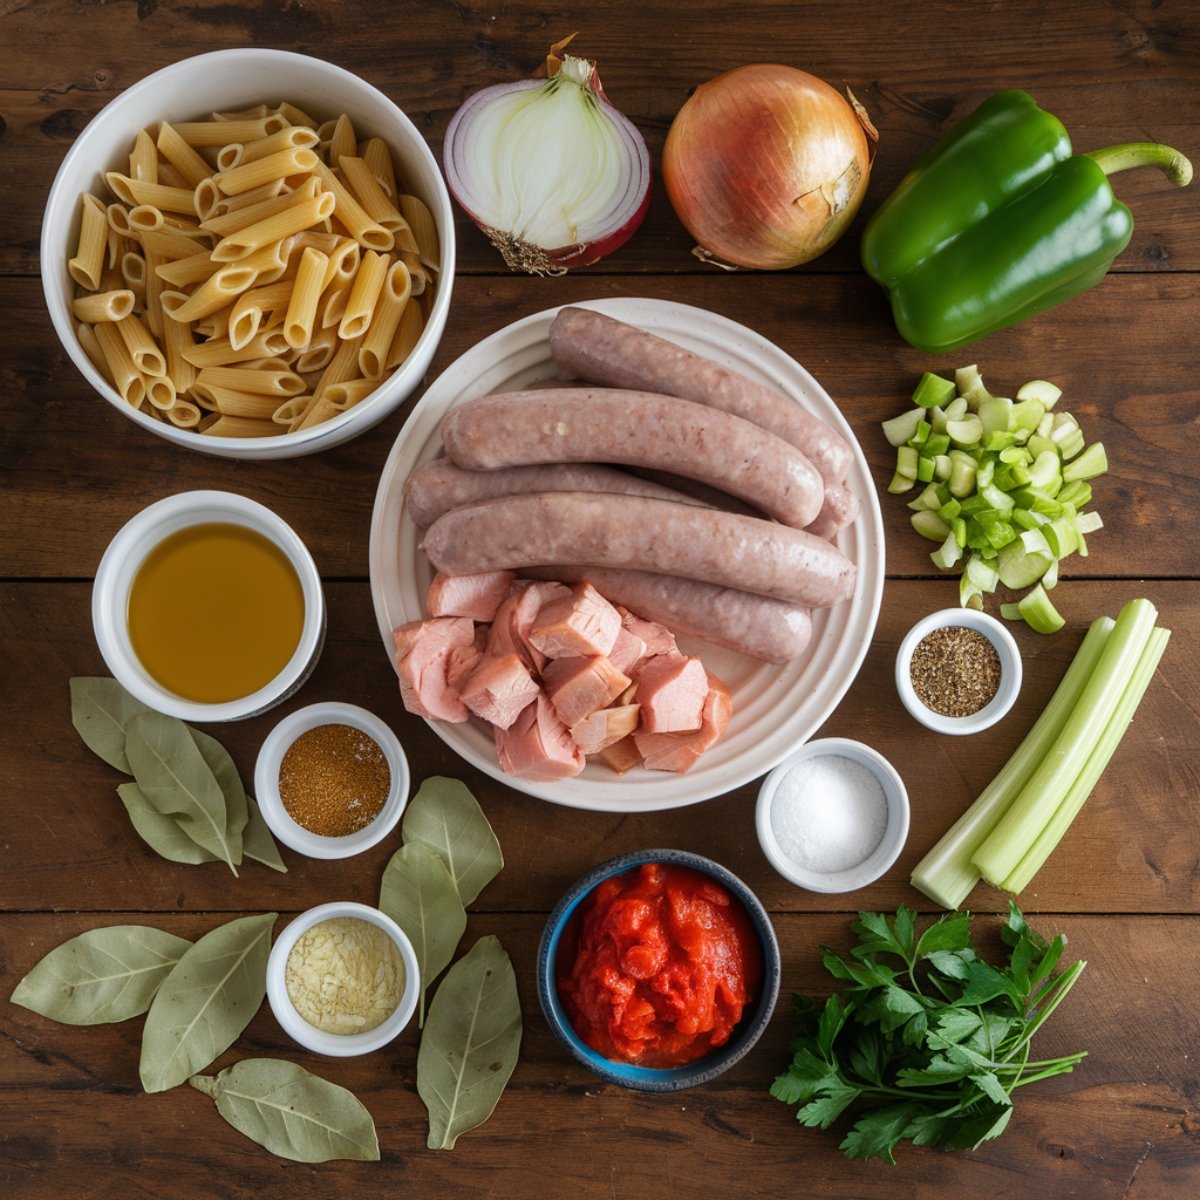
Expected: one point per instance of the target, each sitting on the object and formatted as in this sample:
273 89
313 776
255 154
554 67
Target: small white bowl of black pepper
958 671
331 780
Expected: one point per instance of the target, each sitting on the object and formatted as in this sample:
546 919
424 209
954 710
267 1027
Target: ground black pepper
334 780
955 671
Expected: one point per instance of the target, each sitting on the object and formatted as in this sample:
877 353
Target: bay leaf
173 775
446 817
101 976
100 710
470 1044
229 780
206 1001
292 1112
257 841
418 893
163 834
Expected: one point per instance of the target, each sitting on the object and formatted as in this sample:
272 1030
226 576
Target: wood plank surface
1125 883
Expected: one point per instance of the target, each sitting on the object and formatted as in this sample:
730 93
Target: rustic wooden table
1125 884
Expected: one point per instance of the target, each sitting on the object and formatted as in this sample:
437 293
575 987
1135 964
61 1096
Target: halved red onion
549 169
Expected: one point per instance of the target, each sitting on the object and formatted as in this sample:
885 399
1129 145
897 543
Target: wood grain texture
1125 883
558 1129
84 469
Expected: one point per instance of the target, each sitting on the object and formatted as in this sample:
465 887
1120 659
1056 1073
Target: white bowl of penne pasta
250 253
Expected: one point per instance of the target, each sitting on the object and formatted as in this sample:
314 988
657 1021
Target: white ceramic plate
775 708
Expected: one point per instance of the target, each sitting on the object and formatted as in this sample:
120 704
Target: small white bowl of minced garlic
342 979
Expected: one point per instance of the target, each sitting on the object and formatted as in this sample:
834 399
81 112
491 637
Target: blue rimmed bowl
656 1079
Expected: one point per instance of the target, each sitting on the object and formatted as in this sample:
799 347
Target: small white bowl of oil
208 607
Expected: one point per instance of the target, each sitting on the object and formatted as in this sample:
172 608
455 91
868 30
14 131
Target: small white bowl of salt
833 817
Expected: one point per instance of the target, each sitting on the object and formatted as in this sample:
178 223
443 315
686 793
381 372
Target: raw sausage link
604 350
838 510
438 486
640 533
766 629
641 429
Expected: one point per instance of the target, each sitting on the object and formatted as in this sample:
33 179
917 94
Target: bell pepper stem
1174 165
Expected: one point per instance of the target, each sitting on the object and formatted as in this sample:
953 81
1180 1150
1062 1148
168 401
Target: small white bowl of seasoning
958 671
331 780
832 817
208 607
343 979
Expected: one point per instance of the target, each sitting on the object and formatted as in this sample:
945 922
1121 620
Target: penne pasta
373 354
186 272
143 218
291 411
91 347
114 247
379 158
375 203
143 159
416 212
103 306
254 265
154 308
181 156
171 176
92 246
117 215
320 350
412 325
221 132
133 191
143 349
210 297
169 243
126 378
248 379
294 219
346 395
239 427
184 414
232 403
133 272
419 276
177 338
225 223
253 307
318 411
364 296
302 304
366 232
293 137
295 116
342 141
160 392
218 352
295 160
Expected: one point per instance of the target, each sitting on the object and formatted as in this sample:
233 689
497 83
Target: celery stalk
946 874
1035 856
1031 809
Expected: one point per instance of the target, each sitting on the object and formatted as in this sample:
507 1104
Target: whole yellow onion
766 166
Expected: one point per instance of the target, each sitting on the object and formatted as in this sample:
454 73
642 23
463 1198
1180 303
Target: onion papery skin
766 166
485 184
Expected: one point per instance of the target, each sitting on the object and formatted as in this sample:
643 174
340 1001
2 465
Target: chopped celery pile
1020 817
1004 485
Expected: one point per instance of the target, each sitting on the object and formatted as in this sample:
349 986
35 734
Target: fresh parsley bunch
928 1041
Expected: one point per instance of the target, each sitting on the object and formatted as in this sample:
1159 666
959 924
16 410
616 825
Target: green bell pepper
1000 221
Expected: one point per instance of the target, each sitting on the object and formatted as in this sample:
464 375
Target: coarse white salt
828 813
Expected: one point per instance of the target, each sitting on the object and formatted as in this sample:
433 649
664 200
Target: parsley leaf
926 1042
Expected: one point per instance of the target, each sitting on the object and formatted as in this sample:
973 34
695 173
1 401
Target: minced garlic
345 975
